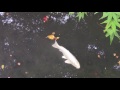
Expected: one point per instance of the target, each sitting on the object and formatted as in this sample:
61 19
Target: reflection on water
117 67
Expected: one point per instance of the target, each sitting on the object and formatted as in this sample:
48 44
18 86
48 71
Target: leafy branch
80 15
112 23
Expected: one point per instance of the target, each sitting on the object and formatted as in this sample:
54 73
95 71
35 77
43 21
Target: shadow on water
25 52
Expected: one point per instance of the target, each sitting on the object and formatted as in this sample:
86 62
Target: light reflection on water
116 67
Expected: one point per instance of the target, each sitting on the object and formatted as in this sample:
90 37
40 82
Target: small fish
52 36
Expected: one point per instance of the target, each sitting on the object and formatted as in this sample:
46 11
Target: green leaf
85 13
110 17
117 35
105 14
111 38
115 17
117 24
106 21
108 25
112 23
118 20
107 34
71 13
118 13
110 32
81 15
113 26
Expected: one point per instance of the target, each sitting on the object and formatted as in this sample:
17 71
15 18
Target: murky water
25 51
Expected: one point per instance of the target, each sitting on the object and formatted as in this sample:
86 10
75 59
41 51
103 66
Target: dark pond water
26 53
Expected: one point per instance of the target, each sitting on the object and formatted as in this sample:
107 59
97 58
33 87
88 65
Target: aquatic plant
112 22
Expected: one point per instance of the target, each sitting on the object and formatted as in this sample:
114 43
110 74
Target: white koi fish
70 58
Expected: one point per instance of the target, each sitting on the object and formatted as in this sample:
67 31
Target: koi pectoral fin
63 57
68 62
